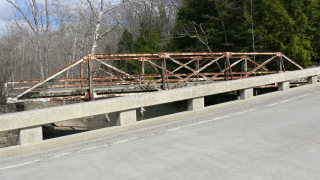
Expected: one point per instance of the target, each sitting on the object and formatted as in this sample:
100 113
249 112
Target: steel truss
158 71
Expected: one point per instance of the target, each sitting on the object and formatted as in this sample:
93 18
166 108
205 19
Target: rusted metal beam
122 72
90 84
210 63
51 77
170 73
152 80
261 65
294 63
254 62
180 67
187 67
142 67
232 73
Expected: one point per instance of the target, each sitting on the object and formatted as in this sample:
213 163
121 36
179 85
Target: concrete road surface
278 138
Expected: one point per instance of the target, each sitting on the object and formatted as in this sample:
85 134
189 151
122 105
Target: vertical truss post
282 64
198 58
279 66
141 59
164 74
245 65
81 72
227 67
91 95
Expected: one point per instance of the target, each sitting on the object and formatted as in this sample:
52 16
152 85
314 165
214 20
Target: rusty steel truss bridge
111 75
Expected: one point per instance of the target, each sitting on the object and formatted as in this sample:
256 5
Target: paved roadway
278 138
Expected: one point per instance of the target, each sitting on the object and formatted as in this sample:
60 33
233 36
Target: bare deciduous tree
37 19
49 34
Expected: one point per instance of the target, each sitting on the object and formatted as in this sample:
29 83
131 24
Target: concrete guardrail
30 122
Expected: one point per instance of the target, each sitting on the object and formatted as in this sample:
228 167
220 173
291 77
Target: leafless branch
110 9
23 15
92 9
174 4
20 28
107 32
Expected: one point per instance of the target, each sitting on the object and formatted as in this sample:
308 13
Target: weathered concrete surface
278 138
30 135
284 86
312 79
56 114
84 123
195 103
125 118
246 93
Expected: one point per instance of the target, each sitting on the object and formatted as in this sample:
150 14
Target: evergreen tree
213 24
148 41
125 44
313 13
292 27
282 26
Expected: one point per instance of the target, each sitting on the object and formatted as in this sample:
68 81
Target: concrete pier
246 93
312 79
126 117
195 103
30 135
283 86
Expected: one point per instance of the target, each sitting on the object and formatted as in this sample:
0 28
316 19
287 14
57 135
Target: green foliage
283 26
148 41
292 27
314 15
219 23
125 44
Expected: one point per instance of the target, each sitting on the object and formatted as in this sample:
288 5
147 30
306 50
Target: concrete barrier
30 122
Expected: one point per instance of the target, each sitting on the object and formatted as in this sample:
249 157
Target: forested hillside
40 37
291 27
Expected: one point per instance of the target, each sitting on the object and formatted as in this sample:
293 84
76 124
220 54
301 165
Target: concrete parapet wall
22 120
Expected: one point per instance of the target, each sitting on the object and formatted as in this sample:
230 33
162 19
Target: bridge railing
30 123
